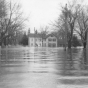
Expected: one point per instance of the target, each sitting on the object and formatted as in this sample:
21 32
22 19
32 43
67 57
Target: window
31 44
49 39
54 45
54 39
60 37
44 45
31 39
49 45
44 39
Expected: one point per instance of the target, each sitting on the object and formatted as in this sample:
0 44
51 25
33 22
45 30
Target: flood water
26 67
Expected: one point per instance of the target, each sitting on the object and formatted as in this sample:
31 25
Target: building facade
51 40
38 40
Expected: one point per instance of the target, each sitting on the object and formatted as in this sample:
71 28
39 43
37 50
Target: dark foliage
75 41
24 40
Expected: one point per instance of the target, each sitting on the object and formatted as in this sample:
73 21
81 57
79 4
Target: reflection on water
75 63
42 67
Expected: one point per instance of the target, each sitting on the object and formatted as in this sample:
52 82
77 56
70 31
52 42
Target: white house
39 40
51 40
34 40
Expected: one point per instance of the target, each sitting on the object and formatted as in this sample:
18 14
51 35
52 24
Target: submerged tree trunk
85 40
70 36
84 45
69 44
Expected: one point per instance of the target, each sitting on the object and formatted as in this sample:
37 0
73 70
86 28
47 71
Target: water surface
26 67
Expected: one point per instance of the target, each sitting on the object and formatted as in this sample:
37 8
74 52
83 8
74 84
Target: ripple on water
54 65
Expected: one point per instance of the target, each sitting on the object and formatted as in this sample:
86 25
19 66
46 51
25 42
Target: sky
40 13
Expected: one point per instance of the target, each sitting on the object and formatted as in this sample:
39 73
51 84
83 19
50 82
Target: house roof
37 35
41 35
51 35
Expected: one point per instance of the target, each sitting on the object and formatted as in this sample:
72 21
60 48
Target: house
40 40
51 40
35 40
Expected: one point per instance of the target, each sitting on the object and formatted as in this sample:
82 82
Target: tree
3 13
67 20
43 32
2 8
75 41
82 24
24 40
12 22
70 13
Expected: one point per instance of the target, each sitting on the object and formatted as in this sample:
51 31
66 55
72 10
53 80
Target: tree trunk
84 45
85 40
69 44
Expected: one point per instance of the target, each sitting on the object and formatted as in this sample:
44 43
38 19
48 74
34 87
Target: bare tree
71 14
67 20
2 15
12 22
82 24
2 8
43 32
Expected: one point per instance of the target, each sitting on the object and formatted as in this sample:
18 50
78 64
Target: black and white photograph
43 43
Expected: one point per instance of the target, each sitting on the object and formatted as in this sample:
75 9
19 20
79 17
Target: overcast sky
41 12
